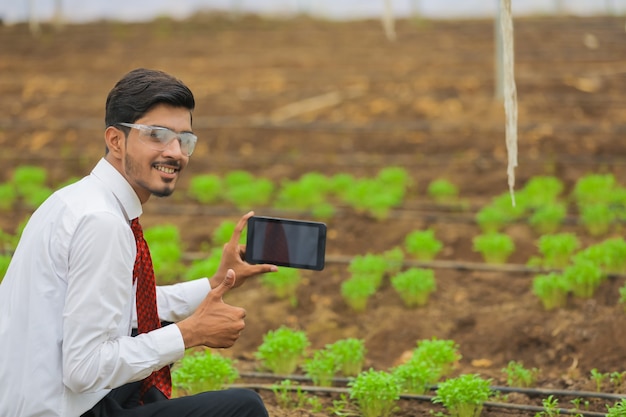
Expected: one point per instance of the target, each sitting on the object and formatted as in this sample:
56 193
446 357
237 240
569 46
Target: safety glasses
159 138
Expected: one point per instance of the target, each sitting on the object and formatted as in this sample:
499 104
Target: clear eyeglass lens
159 138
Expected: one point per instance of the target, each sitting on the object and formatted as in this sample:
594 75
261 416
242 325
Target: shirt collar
118 185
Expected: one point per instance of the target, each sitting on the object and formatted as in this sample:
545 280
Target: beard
133 170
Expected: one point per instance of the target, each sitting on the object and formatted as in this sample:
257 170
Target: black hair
140 90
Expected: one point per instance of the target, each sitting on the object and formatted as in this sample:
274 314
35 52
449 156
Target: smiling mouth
166 169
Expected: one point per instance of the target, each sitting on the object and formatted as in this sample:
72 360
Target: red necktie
147 315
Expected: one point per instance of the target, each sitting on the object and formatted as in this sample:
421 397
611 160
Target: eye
159 135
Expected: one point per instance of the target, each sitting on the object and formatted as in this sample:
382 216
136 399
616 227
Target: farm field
280 99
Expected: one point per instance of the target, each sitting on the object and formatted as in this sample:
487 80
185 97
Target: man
81 279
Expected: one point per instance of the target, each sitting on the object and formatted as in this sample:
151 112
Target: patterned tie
147 315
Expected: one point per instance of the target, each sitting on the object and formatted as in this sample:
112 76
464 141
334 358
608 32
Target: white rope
510 92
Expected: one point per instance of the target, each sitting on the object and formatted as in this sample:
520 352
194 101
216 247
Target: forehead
175 118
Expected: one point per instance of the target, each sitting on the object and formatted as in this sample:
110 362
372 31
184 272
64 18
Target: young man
81 279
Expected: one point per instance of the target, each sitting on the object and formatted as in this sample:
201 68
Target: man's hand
214 324
233 258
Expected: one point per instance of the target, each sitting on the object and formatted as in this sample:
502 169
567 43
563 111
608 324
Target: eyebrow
165 127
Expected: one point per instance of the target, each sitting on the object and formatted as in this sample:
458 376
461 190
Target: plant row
598 199
568 268
371 393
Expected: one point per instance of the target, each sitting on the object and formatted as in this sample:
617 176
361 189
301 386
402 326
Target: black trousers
124 402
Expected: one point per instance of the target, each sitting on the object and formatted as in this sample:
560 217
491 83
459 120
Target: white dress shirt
67 303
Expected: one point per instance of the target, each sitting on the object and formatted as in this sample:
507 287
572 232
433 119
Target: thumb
227 283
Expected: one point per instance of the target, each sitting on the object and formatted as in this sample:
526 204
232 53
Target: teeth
166 170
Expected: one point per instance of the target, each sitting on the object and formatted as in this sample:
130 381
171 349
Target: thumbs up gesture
214 324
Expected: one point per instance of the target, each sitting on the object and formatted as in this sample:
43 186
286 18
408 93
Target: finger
227 283
241 224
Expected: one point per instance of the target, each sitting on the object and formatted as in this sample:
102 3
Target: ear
115 141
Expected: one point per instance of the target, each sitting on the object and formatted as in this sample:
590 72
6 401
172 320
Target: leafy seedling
495 248
423 244
349 354
375 392
203 371
282 350
463 396
414 286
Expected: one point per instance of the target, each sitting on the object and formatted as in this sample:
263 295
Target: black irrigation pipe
429 398
532 392
456 265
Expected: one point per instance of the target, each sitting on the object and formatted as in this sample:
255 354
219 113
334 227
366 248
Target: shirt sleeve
178 301
97 353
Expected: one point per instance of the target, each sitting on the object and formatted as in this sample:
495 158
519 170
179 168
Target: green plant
552 290
8 242
289 395
504 202
464 396
223 232
349 354
423 244
395 259
29 182
205 188
622 296
495 248
548 218
373 197
309 192
356 291
518 376
492 219
440 353
205 267
203 371
5 260
442 191
614 260
542 190
340 183
598 377
616 410
556 250
597 218
416 376
616 378
27 176
368 266
321 368
244 190
414 286
8 196
550 407
166 251
282 350
283 283
583 277
375 392
594 189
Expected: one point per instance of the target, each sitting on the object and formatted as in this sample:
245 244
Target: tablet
286 242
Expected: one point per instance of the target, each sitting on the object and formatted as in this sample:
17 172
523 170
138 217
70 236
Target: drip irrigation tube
428 398
531 392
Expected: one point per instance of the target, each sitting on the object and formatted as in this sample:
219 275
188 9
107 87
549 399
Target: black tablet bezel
254 258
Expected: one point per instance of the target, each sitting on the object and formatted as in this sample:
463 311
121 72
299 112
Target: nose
174 149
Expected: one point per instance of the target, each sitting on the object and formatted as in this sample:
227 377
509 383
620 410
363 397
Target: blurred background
290 88
80 11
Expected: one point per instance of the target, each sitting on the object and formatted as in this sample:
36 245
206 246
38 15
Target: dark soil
424 102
